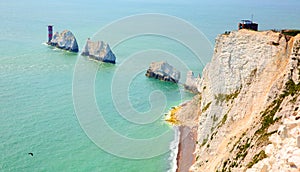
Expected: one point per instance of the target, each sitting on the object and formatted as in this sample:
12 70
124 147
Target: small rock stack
99 51
192 82
163 71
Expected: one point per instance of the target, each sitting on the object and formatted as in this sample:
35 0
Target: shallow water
36 106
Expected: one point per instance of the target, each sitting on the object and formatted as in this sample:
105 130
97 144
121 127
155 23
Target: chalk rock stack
163 71
99 51
64 40
192 82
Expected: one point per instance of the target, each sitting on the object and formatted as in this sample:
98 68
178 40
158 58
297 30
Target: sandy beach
186 148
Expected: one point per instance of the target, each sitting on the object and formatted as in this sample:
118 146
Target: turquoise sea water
36 107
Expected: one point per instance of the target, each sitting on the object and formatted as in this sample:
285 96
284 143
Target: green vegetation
261 155
206 107
232 95
223 119
220 98
268 115
226 33
204 142
267 119
215 118
253 72
242 146
261 136
291 88
243 150
213 134
264 139
290 32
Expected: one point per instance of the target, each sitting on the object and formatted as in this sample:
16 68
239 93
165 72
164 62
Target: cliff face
249 104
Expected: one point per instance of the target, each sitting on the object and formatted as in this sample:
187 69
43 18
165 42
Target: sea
38 113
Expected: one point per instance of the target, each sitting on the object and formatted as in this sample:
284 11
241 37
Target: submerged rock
64 40
99 51
163 71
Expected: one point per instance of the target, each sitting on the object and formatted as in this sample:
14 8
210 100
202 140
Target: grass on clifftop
291 32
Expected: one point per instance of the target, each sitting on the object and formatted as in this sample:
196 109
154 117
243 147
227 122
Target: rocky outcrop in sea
192 82
163 71
64 40
99 51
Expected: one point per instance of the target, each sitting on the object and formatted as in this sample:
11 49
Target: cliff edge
248 105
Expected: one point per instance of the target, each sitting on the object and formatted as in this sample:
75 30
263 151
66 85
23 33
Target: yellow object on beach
171 117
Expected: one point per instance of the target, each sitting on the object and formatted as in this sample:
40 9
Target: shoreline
174 150
186 147
185 118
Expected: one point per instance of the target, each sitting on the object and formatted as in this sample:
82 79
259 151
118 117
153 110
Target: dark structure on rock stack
50 32
64 40
248 24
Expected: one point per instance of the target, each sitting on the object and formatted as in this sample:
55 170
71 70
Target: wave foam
174 150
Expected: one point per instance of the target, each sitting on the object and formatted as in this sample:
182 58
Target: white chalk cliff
249 103
64 40
163 71
99 51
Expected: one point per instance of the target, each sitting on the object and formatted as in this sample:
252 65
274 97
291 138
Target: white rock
246 64
99 51
282 131
192 82
269 149
294 160
163 71
64 40
264 169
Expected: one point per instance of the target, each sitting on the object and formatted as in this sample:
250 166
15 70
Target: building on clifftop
248 24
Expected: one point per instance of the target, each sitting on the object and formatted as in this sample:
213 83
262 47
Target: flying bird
30 153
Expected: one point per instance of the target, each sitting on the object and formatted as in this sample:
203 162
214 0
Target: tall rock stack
64 40
99 51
